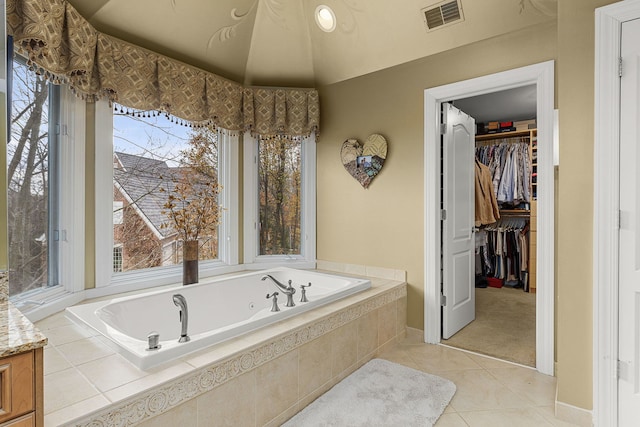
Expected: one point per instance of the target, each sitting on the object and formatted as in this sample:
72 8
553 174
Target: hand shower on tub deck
181 302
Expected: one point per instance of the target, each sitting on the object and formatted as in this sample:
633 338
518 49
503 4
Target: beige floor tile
400 355
66 388
489 362
74 411
538 388
431 358
110 372
548 413
85 350
524 417
477 390
54 361
450 420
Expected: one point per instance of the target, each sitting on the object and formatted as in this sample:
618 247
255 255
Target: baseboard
573 414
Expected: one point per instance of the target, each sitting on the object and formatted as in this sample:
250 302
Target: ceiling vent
442 14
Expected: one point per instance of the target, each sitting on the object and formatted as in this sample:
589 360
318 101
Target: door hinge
620 67
443 128
443 214
443 300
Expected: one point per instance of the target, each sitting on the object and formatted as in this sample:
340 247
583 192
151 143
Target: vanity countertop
17 333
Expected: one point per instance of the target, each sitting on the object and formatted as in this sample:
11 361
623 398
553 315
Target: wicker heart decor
364 162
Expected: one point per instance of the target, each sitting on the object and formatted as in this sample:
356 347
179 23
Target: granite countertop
17 333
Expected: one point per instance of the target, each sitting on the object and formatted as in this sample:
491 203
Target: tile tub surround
88 383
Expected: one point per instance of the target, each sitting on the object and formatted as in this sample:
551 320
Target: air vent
442 14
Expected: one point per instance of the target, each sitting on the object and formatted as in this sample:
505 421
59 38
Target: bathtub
218 309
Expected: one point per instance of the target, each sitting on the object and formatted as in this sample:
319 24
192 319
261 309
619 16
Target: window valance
63 45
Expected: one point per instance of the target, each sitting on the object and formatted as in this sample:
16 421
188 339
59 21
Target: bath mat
380 393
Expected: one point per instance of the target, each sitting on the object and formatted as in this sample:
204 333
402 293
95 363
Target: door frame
608 27
542 75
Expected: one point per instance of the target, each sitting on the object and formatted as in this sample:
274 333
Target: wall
576 34
383 225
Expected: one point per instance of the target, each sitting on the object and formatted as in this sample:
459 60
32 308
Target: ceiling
277 42
507 105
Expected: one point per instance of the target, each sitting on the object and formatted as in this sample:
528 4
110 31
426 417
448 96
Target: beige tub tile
387 322
65 388
344 347
277 387
74 411
54 361
401 317
184 415
66 334
110 372
367 334
283 417
314 364
156 377
231 404
54 321
85 350
380 272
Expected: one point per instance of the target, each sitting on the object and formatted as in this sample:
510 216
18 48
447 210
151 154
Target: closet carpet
505 326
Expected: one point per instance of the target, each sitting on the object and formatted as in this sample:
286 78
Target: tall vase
190 262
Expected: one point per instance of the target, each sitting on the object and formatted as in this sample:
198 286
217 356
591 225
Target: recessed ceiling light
325 18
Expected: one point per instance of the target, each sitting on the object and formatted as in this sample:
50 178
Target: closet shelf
497 135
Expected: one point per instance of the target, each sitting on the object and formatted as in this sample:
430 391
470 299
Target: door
458 246
629 241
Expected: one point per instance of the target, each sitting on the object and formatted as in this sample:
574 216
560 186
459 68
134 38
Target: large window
156 160
33 184
279 207
153 165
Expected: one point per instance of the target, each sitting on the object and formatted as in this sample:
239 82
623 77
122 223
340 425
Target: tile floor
489 392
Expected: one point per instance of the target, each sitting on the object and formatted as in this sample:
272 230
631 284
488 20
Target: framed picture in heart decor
364 161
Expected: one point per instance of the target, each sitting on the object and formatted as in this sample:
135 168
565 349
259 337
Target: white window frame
307 256
107 282
42 303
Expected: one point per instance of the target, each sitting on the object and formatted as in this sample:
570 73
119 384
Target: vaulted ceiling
277 42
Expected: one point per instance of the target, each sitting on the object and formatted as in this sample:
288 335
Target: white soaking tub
218 310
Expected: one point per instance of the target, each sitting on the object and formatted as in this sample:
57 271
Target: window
152 158
45 167
32 177
280 200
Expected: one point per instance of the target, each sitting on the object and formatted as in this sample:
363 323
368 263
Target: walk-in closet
505 230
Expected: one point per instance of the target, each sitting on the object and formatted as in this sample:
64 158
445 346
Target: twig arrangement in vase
192 205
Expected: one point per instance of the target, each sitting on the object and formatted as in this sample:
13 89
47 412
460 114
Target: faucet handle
303 292
274 306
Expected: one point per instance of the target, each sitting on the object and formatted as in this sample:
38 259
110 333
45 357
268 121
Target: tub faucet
287 290
181 302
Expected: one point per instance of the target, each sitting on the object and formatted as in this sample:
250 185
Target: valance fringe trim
62 46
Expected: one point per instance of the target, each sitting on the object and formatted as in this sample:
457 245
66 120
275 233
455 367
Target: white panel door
629 251
458 244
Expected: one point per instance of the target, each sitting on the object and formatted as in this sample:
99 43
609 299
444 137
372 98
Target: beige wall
575 209
383 225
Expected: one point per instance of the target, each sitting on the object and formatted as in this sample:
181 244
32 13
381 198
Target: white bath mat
380 393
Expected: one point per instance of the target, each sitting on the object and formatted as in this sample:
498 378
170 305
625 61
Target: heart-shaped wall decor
364 162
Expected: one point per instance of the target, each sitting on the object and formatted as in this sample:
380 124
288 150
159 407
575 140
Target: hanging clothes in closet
503 250
486 204
510 168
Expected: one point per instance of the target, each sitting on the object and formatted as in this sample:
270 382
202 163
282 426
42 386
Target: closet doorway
504 236
541 77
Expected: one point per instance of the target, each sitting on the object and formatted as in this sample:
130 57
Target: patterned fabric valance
59 42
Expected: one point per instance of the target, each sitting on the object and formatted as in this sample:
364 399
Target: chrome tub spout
181 302
287 290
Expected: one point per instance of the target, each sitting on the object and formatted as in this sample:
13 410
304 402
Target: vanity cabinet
21 389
